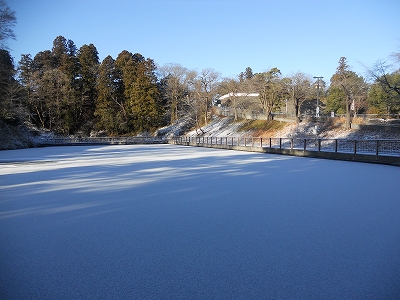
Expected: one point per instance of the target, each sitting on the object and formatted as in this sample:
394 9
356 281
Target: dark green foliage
52 82
59 50
6 80
49 82
110 103
335 101
43 61
141 102
145 101
248 74
6 69
347 89
89 62
383 100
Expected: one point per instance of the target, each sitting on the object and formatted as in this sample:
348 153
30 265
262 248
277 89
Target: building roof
238 95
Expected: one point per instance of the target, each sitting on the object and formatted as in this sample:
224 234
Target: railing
103 140
260 115
365 147
375 151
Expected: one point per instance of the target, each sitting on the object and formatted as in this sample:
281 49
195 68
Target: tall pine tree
145 98
89 63
110 103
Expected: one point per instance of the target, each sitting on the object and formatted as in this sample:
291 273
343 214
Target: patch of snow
177 129
226 127
175 222
220 127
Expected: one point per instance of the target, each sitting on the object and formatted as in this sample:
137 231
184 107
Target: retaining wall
389 160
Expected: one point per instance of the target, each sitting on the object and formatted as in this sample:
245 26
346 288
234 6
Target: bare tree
177 80
383 72
231 88
386 78
7 22
299 89
205 88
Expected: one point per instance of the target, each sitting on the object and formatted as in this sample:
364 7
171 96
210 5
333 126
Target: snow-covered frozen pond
175 222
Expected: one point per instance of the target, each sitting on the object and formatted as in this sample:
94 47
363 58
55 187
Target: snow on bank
177 129
220 127
226 127
174 222
28 136
21 136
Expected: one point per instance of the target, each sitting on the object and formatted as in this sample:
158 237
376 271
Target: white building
227 96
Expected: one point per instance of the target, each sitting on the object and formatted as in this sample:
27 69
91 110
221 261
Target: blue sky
227 35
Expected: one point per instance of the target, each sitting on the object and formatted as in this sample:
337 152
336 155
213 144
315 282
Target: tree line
68 90
347 93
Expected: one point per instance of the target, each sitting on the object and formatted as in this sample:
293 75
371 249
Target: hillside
226 127
16 137
24 136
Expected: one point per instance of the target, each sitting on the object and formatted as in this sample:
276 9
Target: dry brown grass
262 127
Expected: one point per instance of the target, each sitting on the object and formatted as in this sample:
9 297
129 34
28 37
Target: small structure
248 106
228 96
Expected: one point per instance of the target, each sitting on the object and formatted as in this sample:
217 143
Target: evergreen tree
382 100
127 63
89 63
125 70
248 74
43 61
241 77
334 101
25 71
70 66
110 107
6 80
351 85
271 90
71 48
69 63
141 91
59 50
145 98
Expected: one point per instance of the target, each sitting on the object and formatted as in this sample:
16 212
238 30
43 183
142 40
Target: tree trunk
174 110
198 126
205 111
297 112
348 117
234 108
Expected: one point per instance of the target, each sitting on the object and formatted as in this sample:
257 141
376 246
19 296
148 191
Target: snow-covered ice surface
175 222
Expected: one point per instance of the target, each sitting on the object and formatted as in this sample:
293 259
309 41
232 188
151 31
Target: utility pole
317 109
